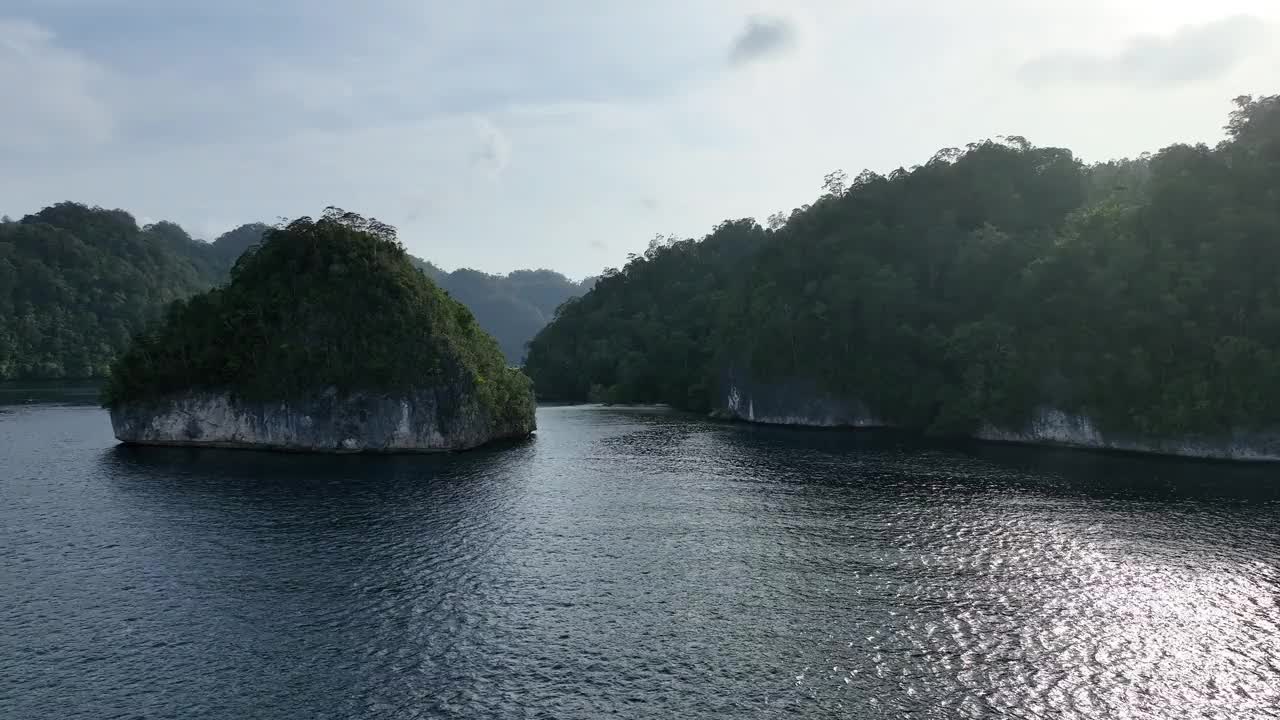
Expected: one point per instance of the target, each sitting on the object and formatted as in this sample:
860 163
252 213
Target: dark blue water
636 563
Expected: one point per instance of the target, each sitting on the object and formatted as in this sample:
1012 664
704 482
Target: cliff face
790 403
802 404
1050 426
429 420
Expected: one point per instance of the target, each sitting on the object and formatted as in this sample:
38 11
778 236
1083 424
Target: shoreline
1011 439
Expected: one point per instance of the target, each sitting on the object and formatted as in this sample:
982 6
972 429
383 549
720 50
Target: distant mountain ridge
511 307
76 282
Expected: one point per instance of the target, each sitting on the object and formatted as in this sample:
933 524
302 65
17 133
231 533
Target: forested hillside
77 282
328 303
512 307
988 281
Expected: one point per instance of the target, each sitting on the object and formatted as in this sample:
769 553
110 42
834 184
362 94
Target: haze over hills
511 307
77 282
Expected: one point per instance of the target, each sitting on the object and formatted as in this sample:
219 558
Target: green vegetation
646 333
512 307
330 303
992 279
76 283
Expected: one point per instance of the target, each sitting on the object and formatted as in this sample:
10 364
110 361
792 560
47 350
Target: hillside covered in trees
511 307
971 289
76 283
333 303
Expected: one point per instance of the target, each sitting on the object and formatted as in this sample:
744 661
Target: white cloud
493 149
501 135
51 93
1193 53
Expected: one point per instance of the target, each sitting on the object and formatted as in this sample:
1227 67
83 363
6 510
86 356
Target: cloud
49 92
762 37
1189 55
517 142
494 149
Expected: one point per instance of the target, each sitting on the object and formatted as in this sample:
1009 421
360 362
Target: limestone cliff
326 339
791 403
433 420
1050 426
802 404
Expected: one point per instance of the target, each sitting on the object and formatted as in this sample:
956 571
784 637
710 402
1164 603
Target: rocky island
1000 291
326 339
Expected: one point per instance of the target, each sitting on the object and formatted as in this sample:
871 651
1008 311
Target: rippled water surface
632 562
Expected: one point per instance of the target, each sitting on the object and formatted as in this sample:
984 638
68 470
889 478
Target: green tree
333 303
972 289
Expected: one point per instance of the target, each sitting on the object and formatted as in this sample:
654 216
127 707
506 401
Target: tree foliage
319 304
511 307
971 289
645 333
77 282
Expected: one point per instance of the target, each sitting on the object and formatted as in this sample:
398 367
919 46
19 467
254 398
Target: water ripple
631 562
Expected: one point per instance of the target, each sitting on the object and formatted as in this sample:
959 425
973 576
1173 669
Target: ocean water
630 562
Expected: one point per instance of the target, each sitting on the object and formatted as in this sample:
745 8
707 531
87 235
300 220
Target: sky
505 134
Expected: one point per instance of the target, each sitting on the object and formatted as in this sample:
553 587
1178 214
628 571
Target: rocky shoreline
429 420
1051 427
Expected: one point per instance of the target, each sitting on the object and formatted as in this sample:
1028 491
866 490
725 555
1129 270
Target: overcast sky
502 134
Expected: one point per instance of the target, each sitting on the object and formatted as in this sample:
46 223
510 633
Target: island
327 338
1000 291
